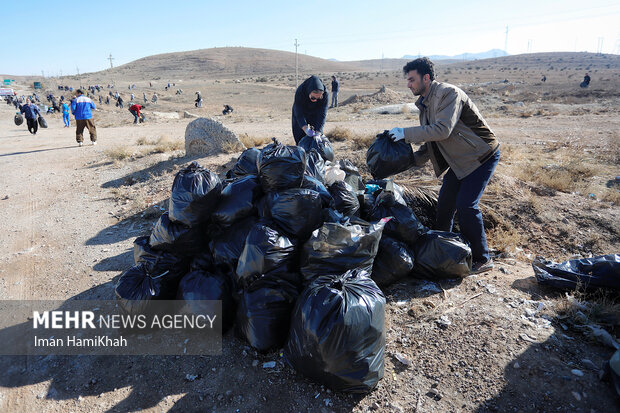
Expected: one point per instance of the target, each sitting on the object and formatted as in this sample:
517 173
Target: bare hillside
223 62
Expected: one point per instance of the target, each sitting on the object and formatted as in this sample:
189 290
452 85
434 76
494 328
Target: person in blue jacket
309 108
81 108
65 114
31 112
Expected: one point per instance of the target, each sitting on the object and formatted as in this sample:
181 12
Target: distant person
227 110
107 100
119 102
81 108
65 114
100 99
309 108
335 88
132 97
544 79
456 139
31 112
135 111
144 96
586 81
198 101
154 98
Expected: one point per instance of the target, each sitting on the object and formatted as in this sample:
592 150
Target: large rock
205 136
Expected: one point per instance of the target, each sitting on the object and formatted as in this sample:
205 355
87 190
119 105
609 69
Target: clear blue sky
58 37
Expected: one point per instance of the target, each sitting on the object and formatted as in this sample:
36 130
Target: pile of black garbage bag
295 260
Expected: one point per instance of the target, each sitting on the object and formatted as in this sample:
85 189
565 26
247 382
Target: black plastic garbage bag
404 225
386 157
246 164
157 262
42 122
177 238
333 216
352 176
227 246
589 273
136 288
266 250
440 255
18 119
613 368
264 313
205 285
390 186
297 212
237 201
310 182
394 261
335 248
345 198
281 167
321 144
315 165
337 333
194 196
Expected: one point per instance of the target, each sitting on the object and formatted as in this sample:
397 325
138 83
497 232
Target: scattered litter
317 395
269 364
576 395
444 322
327 402
191 377
401 358
576 372
527 338
516 365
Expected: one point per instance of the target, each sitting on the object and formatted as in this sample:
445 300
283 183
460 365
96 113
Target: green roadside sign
7 81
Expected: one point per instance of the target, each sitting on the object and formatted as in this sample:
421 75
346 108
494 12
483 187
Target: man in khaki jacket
456 138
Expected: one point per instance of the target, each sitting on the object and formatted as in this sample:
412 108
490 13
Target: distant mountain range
464 56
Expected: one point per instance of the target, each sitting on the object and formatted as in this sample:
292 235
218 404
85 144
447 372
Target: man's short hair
79 91
422 65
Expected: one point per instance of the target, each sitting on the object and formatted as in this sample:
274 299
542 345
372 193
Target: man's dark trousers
462 197
33 125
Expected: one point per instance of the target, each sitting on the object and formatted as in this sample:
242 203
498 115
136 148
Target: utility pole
42 74
506 41
296 64
599 46
110 59
529 46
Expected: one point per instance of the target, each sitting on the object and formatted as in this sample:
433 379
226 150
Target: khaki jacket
453 132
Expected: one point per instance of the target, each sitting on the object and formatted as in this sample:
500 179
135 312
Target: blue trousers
462 197
65 118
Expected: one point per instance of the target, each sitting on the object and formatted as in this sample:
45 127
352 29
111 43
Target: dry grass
165 144
119 153
362 141
340 134
252 141
599 307
611 195
232 147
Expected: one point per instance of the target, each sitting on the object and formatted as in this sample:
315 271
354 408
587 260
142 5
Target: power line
296 64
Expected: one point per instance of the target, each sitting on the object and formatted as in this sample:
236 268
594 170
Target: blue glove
397 134
310 132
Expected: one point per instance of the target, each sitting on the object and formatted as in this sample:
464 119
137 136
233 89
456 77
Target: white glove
397 134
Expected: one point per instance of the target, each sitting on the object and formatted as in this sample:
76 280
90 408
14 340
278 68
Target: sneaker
480 267
80 143
94 143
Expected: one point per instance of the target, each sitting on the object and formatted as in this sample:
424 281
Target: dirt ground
492 342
